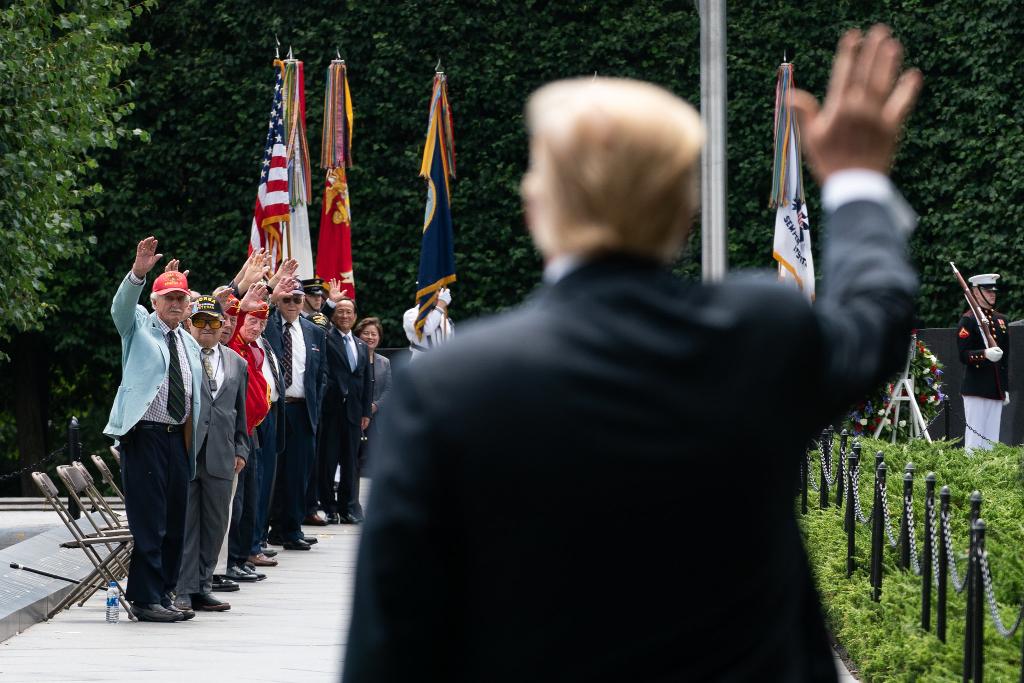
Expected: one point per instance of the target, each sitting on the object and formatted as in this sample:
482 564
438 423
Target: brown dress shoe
262 560
314 520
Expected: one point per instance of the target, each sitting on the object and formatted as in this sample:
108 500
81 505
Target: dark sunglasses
292 300
213 324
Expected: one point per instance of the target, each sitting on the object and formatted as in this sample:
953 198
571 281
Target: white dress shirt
217 363
297 388
269 364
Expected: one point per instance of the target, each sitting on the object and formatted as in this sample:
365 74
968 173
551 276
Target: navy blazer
510 454
316 364
345 382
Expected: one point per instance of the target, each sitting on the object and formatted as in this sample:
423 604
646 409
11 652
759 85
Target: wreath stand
903 390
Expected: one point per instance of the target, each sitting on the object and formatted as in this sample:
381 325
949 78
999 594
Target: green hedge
884 639
202 94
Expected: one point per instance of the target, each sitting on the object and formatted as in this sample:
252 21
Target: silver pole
713 217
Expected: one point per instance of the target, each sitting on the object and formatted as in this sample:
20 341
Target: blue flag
437 254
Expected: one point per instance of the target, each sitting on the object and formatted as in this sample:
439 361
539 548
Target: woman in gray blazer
371 331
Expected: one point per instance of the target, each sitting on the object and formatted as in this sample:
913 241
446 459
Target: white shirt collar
560 266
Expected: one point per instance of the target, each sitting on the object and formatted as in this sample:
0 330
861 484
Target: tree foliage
204 91
59 63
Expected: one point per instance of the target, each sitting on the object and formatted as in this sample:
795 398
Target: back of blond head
613 168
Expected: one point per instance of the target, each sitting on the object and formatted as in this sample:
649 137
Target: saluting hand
145 257
335 293
173 267
253 298
867 102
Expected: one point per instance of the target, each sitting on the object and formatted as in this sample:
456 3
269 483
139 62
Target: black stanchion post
940 596
850 520
879 457
969 611
803 485
877 531
926 564
975 507
823 482
905 521
74 454
945 407
977 583
840 461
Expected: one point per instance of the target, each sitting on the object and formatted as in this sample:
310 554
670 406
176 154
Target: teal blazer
144 363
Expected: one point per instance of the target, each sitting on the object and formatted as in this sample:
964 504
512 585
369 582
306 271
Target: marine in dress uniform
986 385
437 329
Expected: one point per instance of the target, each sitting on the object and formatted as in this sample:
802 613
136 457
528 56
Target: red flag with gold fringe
334 248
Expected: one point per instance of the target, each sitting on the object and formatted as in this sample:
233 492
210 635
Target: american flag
272 197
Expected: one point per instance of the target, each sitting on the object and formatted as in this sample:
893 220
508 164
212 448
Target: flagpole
714 262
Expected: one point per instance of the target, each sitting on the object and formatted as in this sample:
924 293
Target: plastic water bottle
113 604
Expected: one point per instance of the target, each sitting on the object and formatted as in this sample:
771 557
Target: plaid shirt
158 408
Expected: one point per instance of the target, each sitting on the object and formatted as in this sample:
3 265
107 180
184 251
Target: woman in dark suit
371 331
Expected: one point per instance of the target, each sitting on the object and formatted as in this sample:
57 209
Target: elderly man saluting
160 392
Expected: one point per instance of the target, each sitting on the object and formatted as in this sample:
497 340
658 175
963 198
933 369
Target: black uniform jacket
982 377
599 485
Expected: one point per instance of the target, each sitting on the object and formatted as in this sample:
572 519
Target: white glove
1006 399
445 295
995 354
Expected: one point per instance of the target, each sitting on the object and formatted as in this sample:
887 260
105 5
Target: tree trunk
30 367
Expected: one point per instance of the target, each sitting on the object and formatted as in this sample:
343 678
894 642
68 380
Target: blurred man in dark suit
501 543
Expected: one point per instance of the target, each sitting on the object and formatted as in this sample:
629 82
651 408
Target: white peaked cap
985 280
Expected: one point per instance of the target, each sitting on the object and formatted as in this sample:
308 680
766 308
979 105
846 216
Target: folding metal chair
117 455
111 567
107 476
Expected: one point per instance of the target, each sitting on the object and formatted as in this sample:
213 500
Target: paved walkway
289 628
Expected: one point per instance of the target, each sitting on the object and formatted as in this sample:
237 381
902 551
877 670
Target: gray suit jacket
222 419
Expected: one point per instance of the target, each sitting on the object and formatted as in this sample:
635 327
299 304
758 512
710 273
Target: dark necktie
175 385
286 342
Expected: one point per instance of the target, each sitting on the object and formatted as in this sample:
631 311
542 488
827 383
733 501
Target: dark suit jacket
316 365
344 382
277 409
556 493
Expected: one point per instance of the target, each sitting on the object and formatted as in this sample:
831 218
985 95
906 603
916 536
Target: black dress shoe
275 540
155 612
222 584
239 574
269 552
334 518
251 568
351 519
205 602
298 544
175 606
311 540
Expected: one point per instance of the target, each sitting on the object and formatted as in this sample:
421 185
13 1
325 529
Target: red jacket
257 395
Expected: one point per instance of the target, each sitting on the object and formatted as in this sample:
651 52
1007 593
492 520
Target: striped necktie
175 385
286 342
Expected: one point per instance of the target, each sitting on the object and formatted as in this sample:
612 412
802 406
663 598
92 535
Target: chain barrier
826 466
935 545
888 523
915 565
977 433
809 480
39 465
954 576
856 498
993 608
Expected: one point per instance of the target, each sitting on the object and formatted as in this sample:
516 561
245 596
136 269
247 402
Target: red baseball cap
172 281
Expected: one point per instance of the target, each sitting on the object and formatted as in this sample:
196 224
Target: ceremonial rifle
984 324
